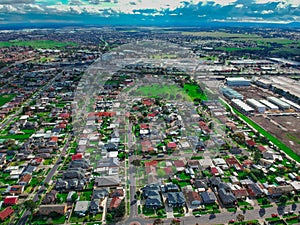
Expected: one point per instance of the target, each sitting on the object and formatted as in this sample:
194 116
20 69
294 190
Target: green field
233 49
170 92
37 44
195 92
6 98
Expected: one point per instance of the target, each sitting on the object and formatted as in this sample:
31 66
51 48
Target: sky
154 12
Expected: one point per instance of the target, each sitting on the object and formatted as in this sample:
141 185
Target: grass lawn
6 98
86 195
234 49
170 92
37 43
16 136
46 220
194 91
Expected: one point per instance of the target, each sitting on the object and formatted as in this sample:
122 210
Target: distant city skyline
147 12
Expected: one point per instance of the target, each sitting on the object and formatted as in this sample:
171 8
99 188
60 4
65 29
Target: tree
109 217
240 217
74 197
30 204
283 199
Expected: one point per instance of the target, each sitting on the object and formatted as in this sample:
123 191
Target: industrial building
293 104
256 104
269 104
237 81
242 106
230 93
282 105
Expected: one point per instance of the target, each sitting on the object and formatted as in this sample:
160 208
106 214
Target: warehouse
242 106
293 104
269 104
257 105
278 102
230 93
237 81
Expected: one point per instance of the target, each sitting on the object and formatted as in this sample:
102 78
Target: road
221 218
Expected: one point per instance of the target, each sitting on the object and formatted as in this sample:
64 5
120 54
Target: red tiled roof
77 156
148 102
144 126
171 145
151 115
251 143
26 178
54 139
261 148
64 115
6 213
115 202
11 200
214 170
179 163
151 163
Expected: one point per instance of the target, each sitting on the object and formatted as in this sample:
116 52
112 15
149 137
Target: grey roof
226 197
82 206
100 193
105 181
208 197
176 198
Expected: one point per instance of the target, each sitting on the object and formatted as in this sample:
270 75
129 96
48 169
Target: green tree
283 199
74 197
109 217
30 204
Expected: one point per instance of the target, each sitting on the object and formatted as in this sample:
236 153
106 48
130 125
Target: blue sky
132 12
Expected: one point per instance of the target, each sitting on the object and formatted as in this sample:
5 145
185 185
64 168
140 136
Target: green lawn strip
234 49
37 43
6 98
274 140
273 219
266 206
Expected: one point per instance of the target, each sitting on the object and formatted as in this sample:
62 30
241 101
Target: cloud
13 2
169 10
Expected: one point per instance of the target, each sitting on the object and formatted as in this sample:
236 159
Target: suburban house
82 207
45 210
193 198
175 199
10 200
50 198
208 197
227 198
6 213
107 181
115 203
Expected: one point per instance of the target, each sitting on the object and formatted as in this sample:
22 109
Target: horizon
31 13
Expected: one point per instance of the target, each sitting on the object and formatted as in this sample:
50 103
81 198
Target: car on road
133 202
176 220
274 215
231 221
286 213
198 215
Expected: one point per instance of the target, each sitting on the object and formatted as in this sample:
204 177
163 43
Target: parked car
231 221
274 215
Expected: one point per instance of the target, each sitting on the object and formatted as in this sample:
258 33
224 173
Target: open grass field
6 98
195 92
37 44
169 92
232 49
